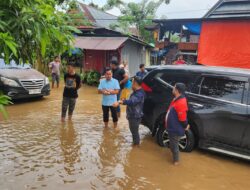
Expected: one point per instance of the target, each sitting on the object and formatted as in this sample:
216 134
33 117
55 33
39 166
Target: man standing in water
176 120
70 94
134 109
55 70
122 77
109 88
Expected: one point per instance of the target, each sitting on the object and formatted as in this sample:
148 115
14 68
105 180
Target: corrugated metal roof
230 9
100 18
103 19
99 43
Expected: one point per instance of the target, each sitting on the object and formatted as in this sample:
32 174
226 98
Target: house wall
134 55
98 60
94 60
147 57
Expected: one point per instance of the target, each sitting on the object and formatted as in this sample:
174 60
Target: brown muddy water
38 152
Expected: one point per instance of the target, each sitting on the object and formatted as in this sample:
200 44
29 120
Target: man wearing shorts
55 70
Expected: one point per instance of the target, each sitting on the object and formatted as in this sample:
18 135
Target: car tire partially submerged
186 143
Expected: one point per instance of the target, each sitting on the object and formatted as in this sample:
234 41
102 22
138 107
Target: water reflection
111 162
70 146
38 152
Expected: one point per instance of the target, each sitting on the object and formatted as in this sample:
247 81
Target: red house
100 43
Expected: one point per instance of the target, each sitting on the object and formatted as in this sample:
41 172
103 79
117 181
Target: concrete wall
134 55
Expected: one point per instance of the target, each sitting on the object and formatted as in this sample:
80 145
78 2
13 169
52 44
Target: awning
99 43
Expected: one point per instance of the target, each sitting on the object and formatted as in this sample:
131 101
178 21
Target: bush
91 77
4 100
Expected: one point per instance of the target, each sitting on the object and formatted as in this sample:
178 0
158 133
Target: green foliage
4 100
136 15
91 78
95 6
175 38
37 29
112 3
8 46
76 16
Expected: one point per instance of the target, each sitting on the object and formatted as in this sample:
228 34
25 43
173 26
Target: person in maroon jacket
176 119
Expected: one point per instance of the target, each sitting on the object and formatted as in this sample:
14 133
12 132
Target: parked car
21 81
219 107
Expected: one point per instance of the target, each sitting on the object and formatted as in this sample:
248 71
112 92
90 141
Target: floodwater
38 152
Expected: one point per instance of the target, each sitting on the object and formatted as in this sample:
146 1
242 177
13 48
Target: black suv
219 107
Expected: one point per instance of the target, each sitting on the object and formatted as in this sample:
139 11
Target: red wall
98 59
94 60
225 43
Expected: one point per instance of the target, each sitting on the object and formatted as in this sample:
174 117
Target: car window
13 65
173 78
225 89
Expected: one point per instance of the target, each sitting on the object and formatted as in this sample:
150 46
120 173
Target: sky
176 8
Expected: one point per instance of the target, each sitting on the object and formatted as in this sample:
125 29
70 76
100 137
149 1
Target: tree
37 28
136 15
76 16
113 3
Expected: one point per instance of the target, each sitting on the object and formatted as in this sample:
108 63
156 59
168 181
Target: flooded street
37 151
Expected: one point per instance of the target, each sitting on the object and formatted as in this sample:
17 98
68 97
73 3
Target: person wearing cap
72 84
122 77
176 120
134 108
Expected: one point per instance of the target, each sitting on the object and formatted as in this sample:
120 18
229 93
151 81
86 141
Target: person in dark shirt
134 108
122 77
176 119
142 71
72 84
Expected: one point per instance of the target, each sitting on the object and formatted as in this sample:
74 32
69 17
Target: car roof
207 69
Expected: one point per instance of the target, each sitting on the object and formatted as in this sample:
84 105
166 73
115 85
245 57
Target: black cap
138 80
180 87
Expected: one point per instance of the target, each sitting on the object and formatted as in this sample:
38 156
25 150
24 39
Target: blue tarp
160 53
194 27
75 51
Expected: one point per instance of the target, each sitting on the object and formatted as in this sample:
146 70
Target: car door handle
196 105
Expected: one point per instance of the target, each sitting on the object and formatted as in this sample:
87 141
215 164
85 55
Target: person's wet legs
174 147
53 79
114 115
72 104
57 80
105 111
134 128
65 105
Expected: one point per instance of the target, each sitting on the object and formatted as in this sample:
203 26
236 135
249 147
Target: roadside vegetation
33 31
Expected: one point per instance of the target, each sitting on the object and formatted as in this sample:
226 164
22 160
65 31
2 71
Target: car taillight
146 88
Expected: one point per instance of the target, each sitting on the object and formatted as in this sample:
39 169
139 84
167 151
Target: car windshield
13 65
